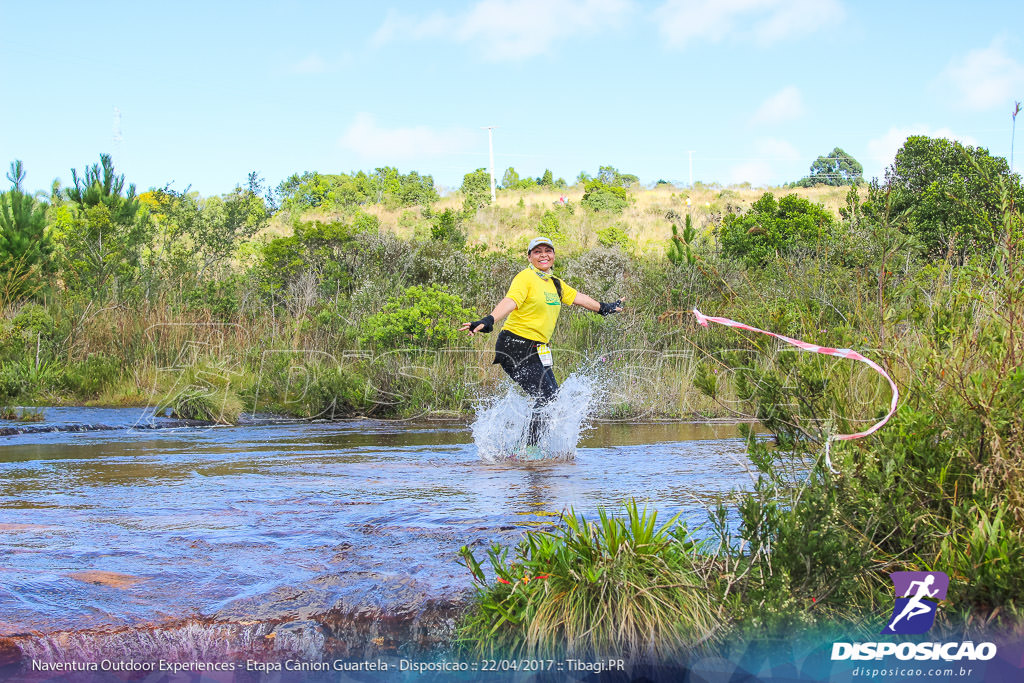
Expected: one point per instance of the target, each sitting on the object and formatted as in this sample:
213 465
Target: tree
199 234
25 241
546 180
417 190
385 181
104 242
772 228
836 169
950 196
476 188
610 176
307 191
510 180
386 185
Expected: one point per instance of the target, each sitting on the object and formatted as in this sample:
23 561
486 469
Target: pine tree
25 243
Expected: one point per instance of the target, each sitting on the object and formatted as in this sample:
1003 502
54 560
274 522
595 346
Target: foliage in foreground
620 585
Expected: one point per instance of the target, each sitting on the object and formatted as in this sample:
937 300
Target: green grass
623 585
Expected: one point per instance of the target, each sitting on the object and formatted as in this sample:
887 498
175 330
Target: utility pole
490 145
690 152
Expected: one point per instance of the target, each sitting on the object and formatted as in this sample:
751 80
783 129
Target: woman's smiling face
542 257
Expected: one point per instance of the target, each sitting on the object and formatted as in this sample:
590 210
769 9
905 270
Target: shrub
447 227
772 228
88 378
204 391
622 586
598 196
421 317
476 190
337 391
14 381
949 196
614 236
550 226
202 403
32 320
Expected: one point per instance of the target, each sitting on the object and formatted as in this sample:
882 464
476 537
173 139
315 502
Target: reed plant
620 585
206 391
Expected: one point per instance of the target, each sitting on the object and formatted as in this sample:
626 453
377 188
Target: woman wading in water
532 304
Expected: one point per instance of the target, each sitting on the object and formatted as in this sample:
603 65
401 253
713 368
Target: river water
284 520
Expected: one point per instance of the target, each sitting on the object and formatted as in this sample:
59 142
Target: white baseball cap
537 241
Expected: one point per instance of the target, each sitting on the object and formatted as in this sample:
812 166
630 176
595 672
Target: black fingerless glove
608 309
488 324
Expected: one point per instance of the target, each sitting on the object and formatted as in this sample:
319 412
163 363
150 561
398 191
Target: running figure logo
917 598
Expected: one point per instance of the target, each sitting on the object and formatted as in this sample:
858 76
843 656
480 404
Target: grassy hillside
516 215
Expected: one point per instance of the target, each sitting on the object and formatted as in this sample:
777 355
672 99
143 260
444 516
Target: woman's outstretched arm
504 307
596 306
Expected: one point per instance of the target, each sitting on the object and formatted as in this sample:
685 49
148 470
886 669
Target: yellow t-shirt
537 305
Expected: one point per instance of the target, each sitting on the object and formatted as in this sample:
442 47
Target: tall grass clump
620 586
205 391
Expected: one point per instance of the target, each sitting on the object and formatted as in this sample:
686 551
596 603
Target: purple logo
917 597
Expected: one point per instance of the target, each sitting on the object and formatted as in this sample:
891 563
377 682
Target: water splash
502 422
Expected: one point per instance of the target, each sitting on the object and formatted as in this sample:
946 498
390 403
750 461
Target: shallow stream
148 521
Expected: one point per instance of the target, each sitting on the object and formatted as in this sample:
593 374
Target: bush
950 197
938 488
476 190
204 391
336 392
598 196
88 378
202 403
15 382
328 250
614 236
550 226
622 586
221 298
420 317
773 228
32 320
447 227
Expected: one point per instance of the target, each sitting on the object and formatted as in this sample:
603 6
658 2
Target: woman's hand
609 308
596 306
484 325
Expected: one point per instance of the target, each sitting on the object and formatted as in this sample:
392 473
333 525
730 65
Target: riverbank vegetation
339 295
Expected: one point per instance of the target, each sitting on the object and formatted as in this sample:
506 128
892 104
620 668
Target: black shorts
518 357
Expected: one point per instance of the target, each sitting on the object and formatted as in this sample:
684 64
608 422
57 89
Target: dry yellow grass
515 216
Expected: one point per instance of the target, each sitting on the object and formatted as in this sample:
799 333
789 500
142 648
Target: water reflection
120 527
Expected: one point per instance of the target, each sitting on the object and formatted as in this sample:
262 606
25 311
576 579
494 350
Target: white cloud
763 21
785 105
391 145
504 29
771 160
882 150
984 78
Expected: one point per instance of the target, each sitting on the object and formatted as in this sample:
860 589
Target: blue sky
207 92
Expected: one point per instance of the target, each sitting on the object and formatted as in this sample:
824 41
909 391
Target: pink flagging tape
828 351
